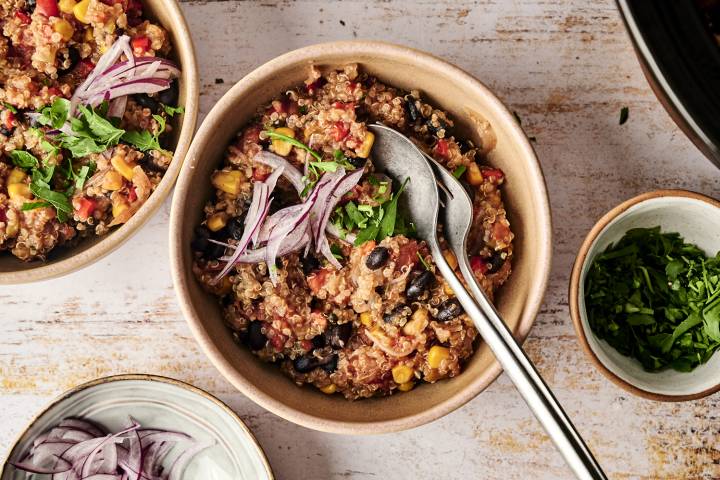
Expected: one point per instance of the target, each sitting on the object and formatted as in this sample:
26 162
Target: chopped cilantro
9 107
624 115
56 114
171 111
458 172
654 297
422 260
24 159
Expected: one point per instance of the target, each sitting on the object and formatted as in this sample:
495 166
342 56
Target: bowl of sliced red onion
134 427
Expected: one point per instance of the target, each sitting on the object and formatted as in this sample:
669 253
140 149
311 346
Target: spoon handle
520 369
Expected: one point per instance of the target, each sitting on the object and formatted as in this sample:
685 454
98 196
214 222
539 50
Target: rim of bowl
119 236
574 292
142 377
315 422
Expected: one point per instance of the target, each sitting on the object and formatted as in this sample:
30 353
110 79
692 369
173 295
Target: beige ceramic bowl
695 217
468 101
63 261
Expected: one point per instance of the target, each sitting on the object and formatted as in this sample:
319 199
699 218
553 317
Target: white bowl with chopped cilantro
645 295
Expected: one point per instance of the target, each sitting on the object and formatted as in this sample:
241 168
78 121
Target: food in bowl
351 302
86 94
656 298
77 448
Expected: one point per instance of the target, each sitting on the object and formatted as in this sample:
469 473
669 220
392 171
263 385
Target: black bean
74 57
305 364
449 309
318 341
411 109
496 262
310 263
435 126
30 5
256 338
330 364
170 96
377 258
398 316
236 227
357 162
146 101
380 290
465 145
5 131
419 285
200 242
337 335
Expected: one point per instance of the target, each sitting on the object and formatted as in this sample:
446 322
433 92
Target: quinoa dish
86 96
315 264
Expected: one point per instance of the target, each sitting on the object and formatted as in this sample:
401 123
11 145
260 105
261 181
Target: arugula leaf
56 199
144 140
24 159
101 129
171 111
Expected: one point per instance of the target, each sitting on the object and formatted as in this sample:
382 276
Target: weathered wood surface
567 68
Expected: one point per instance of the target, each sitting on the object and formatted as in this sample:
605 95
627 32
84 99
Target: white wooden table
567 68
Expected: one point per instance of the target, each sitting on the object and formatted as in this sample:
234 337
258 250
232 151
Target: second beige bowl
467 101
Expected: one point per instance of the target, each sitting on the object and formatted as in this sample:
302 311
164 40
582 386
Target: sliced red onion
291 173
182 461
117 107
121 45
343 187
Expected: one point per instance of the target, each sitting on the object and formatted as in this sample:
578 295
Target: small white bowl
697 219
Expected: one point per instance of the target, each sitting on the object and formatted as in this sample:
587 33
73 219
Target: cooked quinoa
386 320
47 49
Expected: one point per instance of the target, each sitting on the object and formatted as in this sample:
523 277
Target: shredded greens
656 298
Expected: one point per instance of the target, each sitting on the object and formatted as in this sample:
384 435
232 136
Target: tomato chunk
23 17
141 43
442 148
49 8
85 207
132 194
495 175
479 265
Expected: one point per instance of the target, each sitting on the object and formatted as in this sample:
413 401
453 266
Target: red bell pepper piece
49 8
479 265
141 43
442 148
23 17
85 207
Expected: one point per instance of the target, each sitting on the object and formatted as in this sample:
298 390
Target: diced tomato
442 148
261 173
141 43
344 106
23 17
85 207
306 345
132 194
501 232
352 86
479 264
317 279
84 67
3 216
54 92
10 121
408 254
339 131
495 175
49 8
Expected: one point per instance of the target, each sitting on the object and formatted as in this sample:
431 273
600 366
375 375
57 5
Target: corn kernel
450 258
366 319
281 147
217 221
364 150
118 207
474 175
124 168
80 11
89 34
436 355
16 176
406 387
110 27
330 389
402 374
103 48
12 228
448 290
417 323
64 28
18 190
112 181
66 6
228 182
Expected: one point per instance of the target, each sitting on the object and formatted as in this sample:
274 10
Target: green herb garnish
9 107
56 114
624 114
171 111
145 140
422 260
292 141
24 159
458 172
656 298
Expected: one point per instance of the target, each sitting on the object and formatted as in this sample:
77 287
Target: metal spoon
400 158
